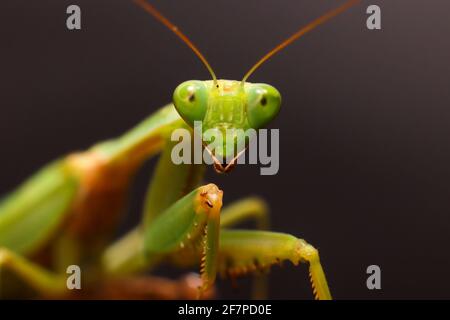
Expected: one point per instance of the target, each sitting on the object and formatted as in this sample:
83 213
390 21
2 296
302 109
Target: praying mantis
67 212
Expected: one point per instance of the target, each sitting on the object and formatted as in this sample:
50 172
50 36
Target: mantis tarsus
69 209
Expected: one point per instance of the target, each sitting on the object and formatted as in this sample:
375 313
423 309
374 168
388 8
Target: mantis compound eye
190 100
263 104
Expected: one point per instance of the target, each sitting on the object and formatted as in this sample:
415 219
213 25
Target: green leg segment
44 282
191 224
169 183
252 208
243 252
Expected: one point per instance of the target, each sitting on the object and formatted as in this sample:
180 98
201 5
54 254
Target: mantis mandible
70 208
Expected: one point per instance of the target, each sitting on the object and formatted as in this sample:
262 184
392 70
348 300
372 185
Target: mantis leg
191 224
169 183
251 208
52 285
255 209
43 281
243 252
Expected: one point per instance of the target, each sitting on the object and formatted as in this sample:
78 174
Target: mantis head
227 108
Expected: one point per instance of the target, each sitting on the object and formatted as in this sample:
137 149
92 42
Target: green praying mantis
66 213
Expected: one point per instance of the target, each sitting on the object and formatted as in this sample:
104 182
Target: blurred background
364 127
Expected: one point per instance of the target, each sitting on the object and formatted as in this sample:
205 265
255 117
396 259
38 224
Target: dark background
364 127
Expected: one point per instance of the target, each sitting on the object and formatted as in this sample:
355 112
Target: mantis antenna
161 18
301 32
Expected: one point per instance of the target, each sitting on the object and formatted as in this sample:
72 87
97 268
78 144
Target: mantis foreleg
243 252
43 281
252 208
190 224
